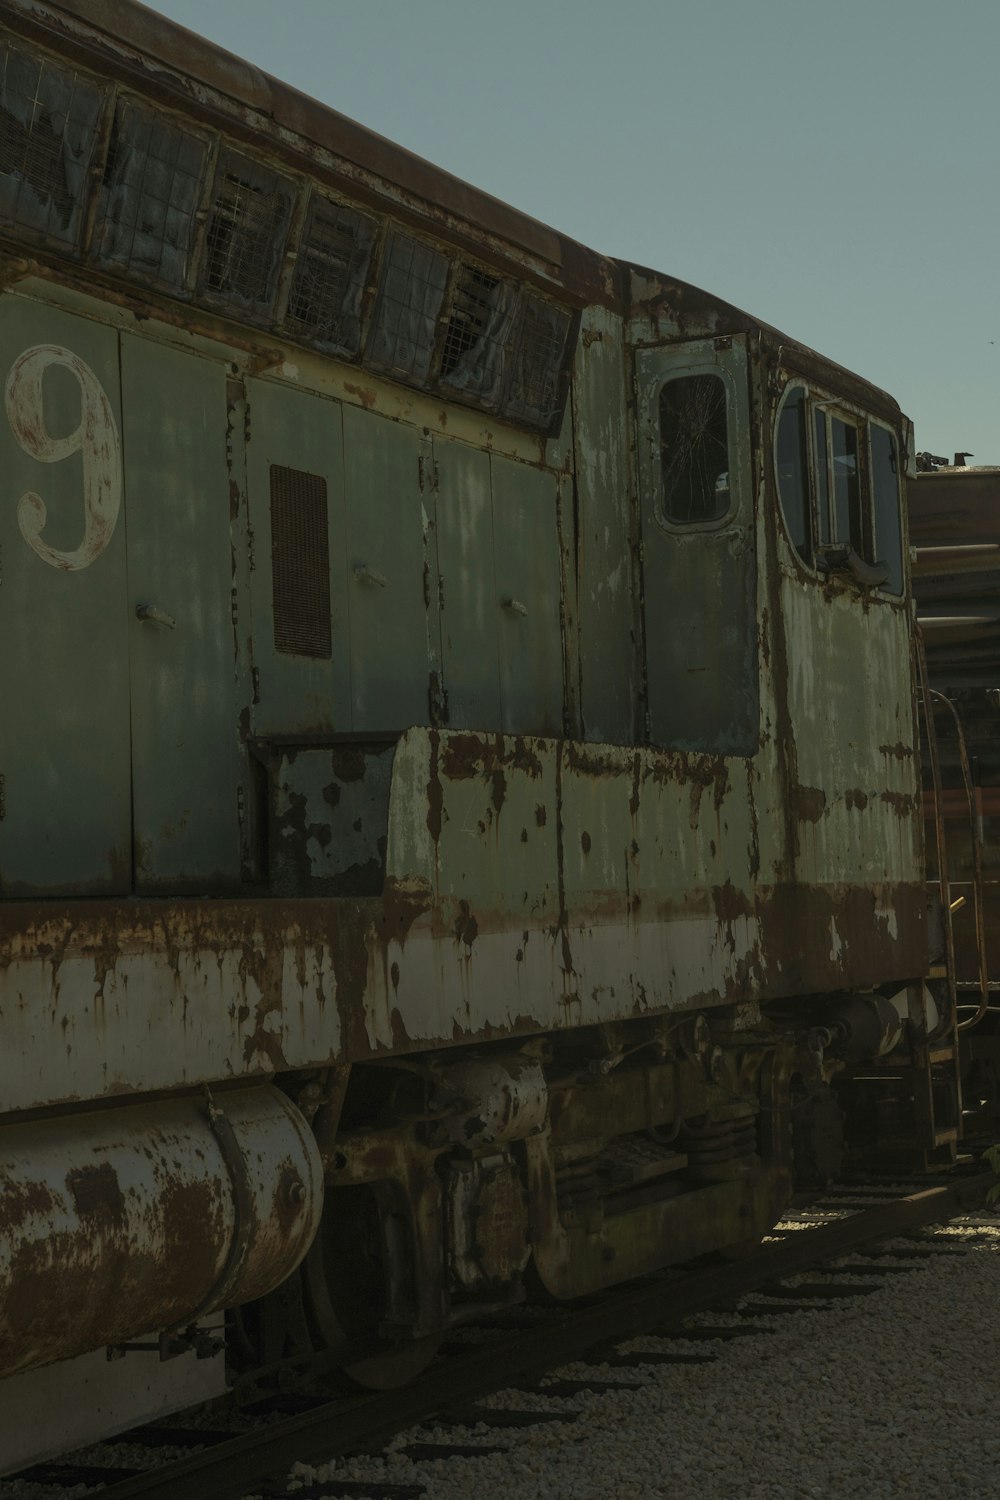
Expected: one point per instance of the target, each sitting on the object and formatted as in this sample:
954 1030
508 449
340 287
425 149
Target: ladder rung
945 1137
942 1054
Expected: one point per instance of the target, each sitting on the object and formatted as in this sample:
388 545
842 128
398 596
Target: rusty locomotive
460 830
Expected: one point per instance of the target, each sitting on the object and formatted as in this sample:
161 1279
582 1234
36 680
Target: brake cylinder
145 1217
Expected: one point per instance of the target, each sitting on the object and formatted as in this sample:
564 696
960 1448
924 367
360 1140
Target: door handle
155 615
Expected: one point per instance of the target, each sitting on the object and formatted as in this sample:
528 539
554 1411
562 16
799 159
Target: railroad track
316 1427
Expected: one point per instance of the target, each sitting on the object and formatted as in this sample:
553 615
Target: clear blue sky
833 168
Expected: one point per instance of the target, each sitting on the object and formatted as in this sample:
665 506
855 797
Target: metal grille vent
536 361
330 275
247 225
300 563
149 199
478 326
414 278
48 127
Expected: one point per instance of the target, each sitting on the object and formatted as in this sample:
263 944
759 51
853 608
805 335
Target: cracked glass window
694 449
479 321
149 197
411 293
538 350
247 225
48 128
331 272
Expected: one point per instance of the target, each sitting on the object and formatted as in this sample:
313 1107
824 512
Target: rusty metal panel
143 1217
329 812
64 733
526 548
699 578
388 523
291 429
186 698
467 588
855 796
606 544
184 992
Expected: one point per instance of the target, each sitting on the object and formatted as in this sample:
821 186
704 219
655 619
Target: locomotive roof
169 63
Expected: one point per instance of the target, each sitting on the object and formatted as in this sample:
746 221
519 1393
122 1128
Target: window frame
821 402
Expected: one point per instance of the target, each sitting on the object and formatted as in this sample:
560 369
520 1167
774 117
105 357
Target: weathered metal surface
64 754
185 695
603 564
329 814
699 579
460 499
386 538
503 912
526 550
147 1216
297 430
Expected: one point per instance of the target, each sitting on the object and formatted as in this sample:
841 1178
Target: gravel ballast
894 1394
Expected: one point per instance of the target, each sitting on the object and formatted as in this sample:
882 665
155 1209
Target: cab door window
694 450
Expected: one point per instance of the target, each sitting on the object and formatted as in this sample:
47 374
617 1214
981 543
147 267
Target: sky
834 169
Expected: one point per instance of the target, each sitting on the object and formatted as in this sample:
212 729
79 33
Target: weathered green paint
385 557
185 693
699 582
526 548
466 586
296 430
606 541
64 726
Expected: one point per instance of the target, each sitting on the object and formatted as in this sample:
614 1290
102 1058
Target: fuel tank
148 1216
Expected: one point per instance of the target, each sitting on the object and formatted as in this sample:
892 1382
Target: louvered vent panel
247 225
149 196
300 563
48 129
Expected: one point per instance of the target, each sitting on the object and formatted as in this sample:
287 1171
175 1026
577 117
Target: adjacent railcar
955 526
459 792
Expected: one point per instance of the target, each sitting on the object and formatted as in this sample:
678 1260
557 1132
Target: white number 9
96 439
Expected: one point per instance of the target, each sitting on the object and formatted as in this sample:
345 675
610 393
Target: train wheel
345 1280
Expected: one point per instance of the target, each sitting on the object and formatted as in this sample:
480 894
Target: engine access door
699 563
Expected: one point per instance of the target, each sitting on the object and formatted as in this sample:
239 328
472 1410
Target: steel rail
230 1469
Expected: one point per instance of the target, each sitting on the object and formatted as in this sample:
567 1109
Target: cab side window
838 483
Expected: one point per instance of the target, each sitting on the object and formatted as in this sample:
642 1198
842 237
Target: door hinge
241 806
3 797
234 608
251 547
246 421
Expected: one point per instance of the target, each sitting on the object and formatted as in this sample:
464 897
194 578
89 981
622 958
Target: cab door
699 562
